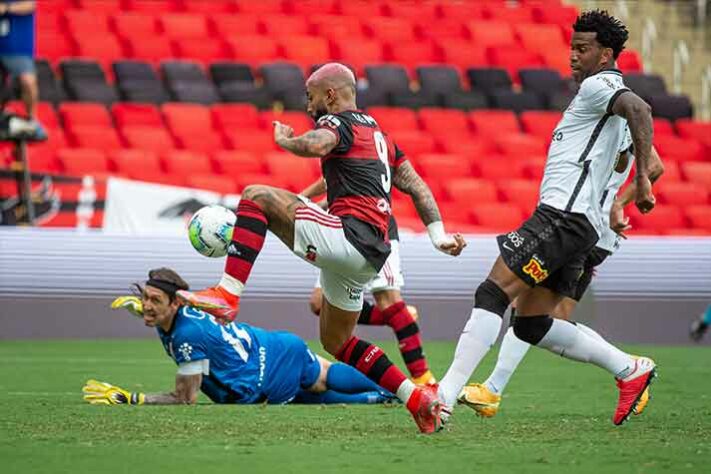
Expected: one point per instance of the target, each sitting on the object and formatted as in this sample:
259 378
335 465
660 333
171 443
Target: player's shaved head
332 76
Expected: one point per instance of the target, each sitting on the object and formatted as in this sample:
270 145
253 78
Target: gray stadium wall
58 284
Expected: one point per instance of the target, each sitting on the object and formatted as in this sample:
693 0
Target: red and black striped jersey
358 174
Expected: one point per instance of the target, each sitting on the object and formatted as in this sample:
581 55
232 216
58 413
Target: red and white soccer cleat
216 301
632 388
425 408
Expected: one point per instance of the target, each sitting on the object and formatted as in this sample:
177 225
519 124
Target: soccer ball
210 230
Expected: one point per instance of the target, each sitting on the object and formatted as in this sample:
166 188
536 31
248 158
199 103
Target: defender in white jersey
485 397
543 260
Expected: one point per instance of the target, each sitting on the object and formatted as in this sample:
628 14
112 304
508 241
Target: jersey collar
611 71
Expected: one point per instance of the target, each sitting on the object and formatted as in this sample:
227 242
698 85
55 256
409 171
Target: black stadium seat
282 79
187 82
224 72
516 101
391 78
138 82
49 88
645 85
85 81
465 100
544 82
671 107
245 92
488 80
439 79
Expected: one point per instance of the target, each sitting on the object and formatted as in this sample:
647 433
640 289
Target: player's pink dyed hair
332 75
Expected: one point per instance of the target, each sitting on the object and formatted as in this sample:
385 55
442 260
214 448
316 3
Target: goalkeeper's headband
166 286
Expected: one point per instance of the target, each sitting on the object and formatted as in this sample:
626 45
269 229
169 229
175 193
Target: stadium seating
460 86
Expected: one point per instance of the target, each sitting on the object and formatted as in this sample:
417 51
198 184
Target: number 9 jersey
358 174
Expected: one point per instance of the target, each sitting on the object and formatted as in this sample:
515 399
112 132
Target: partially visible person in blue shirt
17 49
238 363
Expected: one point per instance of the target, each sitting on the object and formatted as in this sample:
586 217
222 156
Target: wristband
436 232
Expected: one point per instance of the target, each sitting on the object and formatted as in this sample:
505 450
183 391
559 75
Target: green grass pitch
555 418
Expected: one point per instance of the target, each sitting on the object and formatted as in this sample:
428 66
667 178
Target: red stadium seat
255 141
540 123
158 48
129 161
411 10
497 168
411 54
285 25
537 37
629 61
414 142
520 145
494 122
254 49
471 190
334 26
184 25
444 30
233 163
79 22
205 50
674 148
682 194
45 112
250 7
394 119
662 126
49 22
442 167
205 141
359 54
555 14
509 14
662 217
521 192
391 30
462 10
361 9
102 48
213 7
235 116
236 26
42 160
472 149
463 54
212 182
53 45
491 33
533 170
444 122
557 57
160 177
306 50
672 171
185 163
94 136
699 217
187 118
697 130
503 217
153 6
147 138
80 161
85 113
456 214
295 172
299 121
135 25
513 58
695 172
126 113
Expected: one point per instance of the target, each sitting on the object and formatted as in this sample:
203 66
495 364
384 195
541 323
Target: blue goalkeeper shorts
290 366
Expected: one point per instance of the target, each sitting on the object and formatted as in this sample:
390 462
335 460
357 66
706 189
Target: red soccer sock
371 315
408 335
247 240
372 362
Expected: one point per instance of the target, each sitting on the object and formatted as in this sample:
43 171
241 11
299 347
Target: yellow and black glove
102 393
132 304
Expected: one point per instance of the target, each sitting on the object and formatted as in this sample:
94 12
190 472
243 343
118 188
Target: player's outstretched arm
409 182
104 393
618 221
639 118
312 144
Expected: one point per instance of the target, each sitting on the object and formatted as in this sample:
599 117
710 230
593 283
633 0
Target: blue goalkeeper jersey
241 363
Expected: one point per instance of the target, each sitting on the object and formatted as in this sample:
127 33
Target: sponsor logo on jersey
371 354
186 351
354 294
311 253
233 251
329 121
262 364
535 270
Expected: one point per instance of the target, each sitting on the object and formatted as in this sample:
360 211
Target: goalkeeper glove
102 393
131 303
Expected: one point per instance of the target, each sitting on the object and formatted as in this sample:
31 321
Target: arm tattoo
186 391
409 182
312 144
639 118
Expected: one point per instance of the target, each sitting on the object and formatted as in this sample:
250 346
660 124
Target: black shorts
549 249
595 258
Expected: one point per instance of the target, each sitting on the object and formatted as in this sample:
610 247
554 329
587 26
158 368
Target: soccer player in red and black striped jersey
349 243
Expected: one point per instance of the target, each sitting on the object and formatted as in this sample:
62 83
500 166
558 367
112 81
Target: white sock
231 284
511 354
569 341
475 341
405 390
590 332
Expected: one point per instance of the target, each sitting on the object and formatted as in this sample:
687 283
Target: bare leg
30 93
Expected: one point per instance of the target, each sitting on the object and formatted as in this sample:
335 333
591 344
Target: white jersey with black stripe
609 240
584 149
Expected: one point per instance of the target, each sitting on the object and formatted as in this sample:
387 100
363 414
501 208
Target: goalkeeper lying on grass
233 363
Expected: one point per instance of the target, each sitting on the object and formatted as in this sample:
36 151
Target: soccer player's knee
532 329
252 191
490 297
331 344
315 302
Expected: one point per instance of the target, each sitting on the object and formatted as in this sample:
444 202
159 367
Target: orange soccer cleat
216 301
425 408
